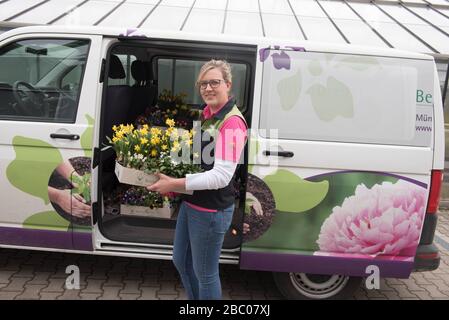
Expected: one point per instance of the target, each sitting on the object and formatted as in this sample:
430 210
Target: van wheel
301 286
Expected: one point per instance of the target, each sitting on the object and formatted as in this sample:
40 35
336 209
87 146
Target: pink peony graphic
383 220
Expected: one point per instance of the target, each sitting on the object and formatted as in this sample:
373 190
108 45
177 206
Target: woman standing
205 216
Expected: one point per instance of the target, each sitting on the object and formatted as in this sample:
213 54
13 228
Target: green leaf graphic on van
48 220
359 63
332 101
315 68
289 90
293 194
34 163
86 137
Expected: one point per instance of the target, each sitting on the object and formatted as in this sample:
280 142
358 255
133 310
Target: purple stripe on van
46 238
419 183
282 262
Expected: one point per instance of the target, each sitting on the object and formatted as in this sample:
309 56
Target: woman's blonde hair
223 65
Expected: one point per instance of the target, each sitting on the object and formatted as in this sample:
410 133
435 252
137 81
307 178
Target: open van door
332 191
46 117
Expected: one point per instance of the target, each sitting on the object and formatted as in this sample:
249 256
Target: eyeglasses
214 83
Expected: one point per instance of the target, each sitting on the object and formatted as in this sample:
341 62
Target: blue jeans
199 237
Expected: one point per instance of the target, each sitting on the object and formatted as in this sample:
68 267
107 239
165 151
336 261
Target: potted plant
138 201
144 151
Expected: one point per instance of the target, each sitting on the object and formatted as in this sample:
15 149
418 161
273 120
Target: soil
259 224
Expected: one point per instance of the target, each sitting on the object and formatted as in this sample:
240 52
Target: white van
342 172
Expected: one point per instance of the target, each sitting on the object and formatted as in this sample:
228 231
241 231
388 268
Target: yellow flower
145 126
153 152
143 140
114 127
164 147
115 139
170 122
155 140
143 131
155 131
137 148
189 142
119 135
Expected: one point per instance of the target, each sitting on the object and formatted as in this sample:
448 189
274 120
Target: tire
305 286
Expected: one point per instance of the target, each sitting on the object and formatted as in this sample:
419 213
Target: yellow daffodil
155 131
115 128
137 148
164 147
143 131
155 140
170 122
153 152
143 141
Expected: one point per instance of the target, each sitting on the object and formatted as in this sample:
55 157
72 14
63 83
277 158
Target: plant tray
133 176
165 212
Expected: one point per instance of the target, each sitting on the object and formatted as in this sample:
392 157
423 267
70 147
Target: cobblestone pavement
41 275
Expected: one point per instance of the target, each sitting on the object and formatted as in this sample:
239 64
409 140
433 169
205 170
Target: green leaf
34 163
289 90
332 101
87 136
49 220
293 194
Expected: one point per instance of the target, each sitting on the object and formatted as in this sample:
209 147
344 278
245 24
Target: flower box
133 176
166 212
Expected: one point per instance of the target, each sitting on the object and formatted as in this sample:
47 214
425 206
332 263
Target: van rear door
340 166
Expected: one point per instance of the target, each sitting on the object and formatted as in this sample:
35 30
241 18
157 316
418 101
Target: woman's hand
167 184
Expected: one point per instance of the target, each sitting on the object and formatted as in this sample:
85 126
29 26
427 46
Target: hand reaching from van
73 204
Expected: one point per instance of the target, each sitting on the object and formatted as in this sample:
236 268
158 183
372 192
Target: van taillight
435 187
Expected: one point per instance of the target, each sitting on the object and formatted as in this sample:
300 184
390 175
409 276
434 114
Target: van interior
140 74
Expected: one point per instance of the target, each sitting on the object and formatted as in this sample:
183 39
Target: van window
179 76
41 79
347 98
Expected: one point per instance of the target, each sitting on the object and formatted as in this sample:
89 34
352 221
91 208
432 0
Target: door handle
285 154
64 136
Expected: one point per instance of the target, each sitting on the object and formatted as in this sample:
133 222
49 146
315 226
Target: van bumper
427 258
427 254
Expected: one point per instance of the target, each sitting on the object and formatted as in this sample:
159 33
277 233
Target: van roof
262 42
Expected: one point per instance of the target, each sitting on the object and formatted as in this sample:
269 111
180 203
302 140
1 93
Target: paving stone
16 284
9 295
434 292
56 285
402 291
129 296
110 293
31 292
90 296
167 288
49 295
40 278
131 287
5 276
148 293
94 286
167 296
70 295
